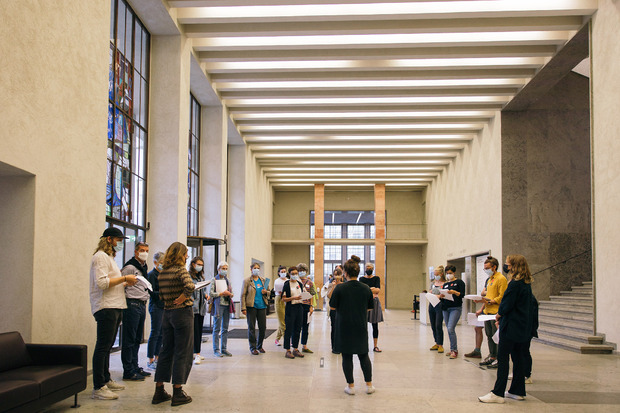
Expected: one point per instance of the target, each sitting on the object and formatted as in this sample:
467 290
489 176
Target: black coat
517 312
352 300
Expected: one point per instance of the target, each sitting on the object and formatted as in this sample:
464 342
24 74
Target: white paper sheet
496 337
145 282
485 317
446 295
220 286
432 299
306 296
473 297
472 320
202 284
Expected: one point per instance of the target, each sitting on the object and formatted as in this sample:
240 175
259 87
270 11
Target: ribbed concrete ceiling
354 92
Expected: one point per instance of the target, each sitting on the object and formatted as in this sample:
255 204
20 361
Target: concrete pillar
319 237
380 238
168 141
236 217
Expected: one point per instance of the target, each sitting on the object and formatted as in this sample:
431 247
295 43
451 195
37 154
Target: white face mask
143 256
437 277
295 277
198 268
302 274
488 271
283 275
223 273
119 246
255 271
450 276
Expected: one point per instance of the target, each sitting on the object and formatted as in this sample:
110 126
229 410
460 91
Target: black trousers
332 318
175 357
108 321
292 320
304 324
375 330
517 351
527 367
198 322
490 328
255 315
436 317
347 367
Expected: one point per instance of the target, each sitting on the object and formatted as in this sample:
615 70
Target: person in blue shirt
254 302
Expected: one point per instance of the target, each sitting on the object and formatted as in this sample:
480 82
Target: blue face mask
255 271
223 273
295 277
160 267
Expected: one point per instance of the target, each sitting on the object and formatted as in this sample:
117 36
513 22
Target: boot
179 396
161 395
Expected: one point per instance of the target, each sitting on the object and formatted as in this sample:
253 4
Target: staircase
567 321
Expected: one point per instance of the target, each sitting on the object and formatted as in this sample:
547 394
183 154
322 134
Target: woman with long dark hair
375 316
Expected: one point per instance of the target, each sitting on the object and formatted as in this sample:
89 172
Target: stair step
566 315
559 307
578 299
578 325
587 283
597 349
583 288
570 302
596 340
578 293
565 333
565 344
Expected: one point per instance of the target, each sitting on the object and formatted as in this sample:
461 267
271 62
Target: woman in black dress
352 300
375 316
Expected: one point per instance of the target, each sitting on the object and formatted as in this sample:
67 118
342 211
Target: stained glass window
127 121
193 162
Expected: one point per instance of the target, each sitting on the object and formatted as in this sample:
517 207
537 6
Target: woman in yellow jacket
254 302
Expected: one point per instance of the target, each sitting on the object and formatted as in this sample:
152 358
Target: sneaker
306 350
217 354
474 355
226 353
278 342
254 352
370 389
179 397
491 398
528 380
435 347
261 350
196 360
296 353
349 390
439 349
514 396
487 361
152 365
104 393
289 355
134 377
493 365
160 396
114 386
454 354
142 372
201 358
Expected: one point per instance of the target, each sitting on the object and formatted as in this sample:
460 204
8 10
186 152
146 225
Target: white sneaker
370 389
514 396
114 386
349 390
491 398
104 394
528 380
197 360
201 358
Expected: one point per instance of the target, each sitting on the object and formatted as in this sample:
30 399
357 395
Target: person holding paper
306 305
352 301
254 302
134 315
221 294
496 286
280 305
291 295
196 271
435 312
452 306
375 316
156 309
337 279
476 352
516 325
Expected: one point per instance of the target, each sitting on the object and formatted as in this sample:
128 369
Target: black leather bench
34 376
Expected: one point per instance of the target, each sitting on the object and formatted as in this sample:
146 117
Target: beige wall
363 200
290 255
463 205
54 85
404 268
606 167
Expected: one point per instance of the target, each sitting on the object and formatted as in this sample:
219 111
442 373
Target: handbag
210 305
231 307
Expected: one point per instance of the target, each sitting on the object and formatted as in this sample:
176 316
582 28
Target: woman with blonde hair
434 312
515 327
175 359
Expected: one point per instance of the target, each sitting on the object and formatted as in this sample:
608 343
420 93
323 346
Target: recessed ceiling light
363 126
357 84
328 138
367 114
426 100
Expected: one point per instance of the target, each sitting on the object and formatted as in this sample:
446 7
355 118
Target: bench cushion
14 352
14 393
49 378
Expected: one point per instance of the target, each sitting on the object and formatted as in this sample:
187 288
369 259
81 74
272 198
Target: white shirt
102 269
278 285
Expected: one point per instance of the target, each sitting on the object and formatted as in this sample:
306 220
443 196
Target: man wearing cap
134 315
107 301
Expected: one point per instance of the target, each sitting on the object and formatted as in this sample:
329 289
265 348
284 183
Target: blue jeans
133 331
154 344
220 329
451 317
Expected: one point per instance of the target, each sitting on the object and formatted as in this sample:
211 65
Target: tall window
127 123
193 162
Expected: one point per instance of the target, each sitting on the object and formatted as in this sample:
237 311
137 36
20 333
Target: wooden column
380 238
319 237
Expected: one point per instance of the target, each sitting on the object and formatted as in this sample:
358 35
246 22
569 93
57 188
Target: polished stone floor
408 377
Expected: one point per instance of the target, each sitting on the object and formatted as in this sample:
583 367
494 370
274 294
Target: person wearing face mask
221 309
156 310
291 295
375 316
496 286
452 309
134 315
107 301
196 271
336 279
254 302
306 305
434 312
280 305
175 359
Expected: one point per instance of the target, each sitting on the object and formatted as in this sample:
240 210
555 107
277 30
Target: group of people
509 298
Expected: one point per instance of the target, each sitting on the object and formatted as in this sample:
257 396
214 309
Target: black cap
113 232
